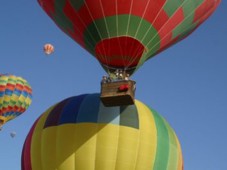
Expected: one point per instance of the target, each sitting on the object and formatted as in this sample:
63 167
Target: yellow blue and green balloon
80 133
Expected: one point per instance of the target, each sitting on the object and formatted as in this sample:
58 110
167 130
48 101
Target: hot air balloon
13 134
48 49
123 34
15 97
81 133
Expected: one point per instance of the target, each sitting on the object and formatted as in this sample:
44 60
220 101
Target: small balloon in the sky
48 49
13 134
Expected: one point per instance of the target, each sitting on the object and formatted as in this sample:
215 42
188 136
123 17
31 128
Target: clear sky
186 84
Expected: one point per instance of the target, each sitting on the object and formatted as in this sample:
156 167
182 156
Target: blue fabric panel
8 92
129 116
2 94
109 114
71 109
17 92
89 109
55 114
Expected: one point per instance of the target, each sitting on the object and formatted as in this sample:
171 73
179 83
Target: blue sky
186 84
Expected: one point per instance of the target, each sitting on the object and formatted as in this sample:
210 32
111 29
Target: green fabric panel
102 27
91 37
142 60
189 8
13 81
162 153
129 116
77 4
189 30
121 28
174 150
59 17
112 26
183 27
171 6
122 24
191 5
133 26
150 39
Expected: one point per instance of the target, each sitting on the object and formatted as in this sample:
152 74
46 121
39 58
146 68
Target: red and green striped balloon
15 97
80 133
124 34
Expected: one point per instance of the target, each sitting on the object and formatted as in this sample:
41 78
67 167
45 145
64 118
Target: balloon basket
118 93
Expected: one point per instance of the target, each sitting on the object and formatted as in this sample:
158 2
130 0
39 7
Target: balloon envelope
80 133
48 49
126 33
12 134
15 97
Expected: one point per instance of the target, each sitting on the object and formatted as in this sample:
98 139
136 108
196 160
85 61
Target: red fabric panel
166 32
48 6
106 8
203 8
77 22
119 52
26 152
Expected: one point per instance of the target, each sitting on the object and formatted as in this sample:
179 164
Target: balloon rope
138 49
163 26
136 52
107 30
90 44
100 35
129 18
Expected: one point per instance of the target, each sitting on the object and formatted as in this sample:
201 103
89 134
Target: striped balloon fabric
126 33
80 133
15 97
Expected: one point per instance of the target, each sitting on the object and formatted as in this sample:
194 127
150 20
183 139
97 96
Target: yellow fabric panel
6 98
1 99
5 78
85 146
107 144
2 120
127 148
148 138
21 98
180 157
36 143
28 100
14 97
76 147
48 148
10 117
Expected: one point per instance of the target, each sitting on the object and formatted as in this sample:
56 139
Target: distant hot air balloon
12 134
15 97
123 34
80 133
48 49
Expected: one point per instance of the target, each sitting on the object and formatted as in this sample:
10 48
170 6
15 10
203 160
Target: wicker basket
118 93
